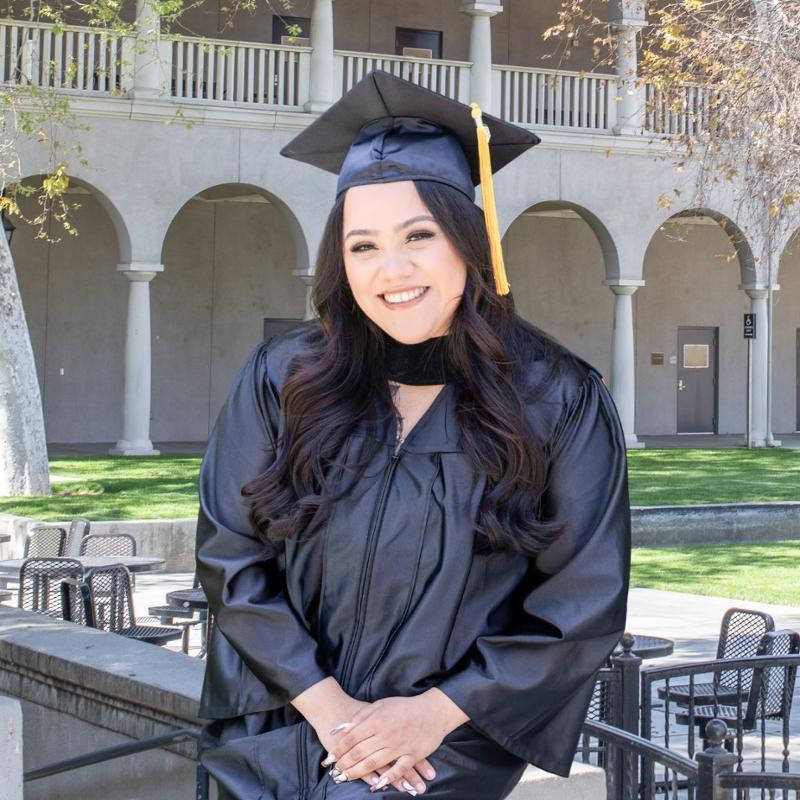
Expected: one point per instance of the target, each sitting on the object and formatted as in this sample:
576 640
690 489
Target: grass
114 488
673 476
764 572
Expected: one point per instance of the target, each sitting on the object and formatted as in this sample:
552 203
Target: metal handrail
109 753
643 747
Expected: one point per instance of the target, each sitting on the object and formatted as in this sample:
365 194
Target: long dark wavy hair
339 378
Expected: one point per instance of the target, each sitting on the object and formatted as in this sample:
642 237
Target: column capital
481 8
627 13
140 266
306 277
758 291
622 285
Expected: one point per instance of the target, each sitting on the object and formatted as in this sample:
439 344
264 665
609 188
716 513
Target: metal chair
740 634
49 586
110 607
770 695
183 615
78 530
45 541
108 544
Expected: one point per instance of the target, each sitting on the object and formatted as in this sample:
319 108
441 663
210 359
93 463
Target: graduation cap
389 129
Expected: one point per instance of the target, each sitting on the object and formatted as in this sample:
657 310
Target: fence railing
686 111
240 72
68 57
746 723
450 78
540 97
98 61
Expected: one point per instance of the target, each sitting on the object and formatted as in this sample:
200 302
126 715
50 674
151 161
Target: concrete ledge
585 782
717 523
652 526
81 690
170 539
11 747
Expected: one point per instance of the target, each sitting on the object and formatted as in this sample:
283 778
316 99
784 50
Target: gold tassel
489 208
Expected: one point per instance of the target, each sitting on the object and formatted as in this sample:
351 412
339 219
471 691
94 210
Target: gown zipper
366 568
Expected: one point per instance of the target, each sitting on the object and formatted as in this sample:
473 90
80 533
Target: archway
228 255
75 305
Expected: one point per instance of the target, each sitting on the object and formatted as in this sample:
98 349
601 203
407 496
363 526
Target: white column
623 365
135 439
627 17
480 51
11 747
308 282
758 408
151 61
321 90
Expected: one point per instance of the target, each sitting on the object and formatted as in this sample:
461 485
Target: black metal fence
713 730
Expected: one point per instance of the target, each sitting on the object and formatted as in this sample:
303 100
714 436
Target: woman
414 528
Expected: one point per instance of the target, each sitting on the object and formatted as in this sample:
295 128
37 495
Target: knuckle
370 763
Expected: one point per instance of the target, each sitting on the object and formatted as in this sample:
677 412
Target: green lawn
765 572
108 487
112 488
674 476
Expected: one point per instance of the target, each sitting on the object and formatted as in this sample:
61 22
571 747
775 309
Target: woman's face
393 249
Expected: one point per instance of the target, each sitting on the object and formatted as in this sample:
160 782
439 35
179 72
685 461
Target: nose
396 264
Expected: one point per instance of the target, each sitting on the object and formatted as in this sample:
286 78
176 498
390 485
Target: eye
418 236
361 247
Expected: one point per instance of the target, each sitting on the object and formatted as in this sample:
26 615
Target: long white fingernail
340 728
409 788
331 759
382 782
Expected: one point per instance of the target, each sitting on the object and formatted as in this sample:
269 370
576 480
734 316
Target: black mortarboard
389 129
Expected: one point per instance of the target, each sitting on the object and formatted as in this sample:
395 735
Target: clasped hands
387 742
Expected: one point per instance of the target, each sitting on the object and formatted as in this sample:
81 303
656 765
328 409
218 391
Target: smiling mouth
403 298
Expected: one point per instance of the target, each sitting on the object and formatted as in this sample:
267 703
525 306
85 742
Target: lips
404 295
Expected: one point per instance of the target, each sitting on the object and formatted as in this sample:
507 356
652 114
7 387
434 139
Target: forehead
381 204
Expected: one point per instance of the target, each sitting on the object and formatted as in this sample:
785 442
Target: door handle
681 385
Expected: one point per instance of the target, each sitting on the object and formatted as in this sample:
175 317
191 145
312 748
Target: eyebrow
412 221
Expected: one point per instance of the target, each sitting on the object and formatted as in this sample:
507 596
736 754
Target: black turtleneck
418 364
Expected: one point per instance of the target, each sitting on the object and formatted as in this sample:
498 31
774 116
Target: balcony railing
240 72
70 57
540 97
278 76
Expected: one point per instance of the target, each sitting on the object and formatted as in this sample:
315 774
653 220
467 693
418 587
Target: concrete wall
81 690
787 323
228 263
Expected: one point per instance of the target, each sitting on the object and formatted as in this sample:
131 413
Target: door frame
715 378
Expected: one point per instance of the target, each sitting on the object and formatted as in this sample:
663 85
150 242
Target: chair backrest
78 529
45 541
772 687
108 544
740 634
111 597
41 587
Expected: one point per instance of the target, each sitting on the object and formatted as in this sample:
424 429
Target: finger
369 764
352 736
359 754
397 784
425 768
371 778
395 772
412 782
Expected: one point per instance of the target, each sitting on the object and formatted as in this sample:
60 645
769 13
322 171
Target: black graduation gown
388 597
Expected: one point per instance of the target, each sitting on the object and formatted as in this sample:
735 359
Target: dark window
417 39
280 25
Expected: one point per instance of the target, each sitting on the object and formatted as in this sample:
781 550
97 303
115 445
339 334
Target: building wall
787 323
555 268
689 282
75 303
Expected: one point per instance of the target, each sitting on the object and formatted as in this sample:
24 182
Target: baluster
260 76
281 78
593 92
201 84
250 89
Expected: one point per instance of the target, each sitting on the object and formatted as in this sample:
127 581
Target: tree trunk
23 449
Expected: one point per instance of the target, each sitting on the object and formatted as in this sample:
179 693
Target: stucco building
196 237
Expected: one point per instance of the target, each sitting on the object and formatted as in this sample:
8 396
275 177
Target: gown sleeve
245 587
528 688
